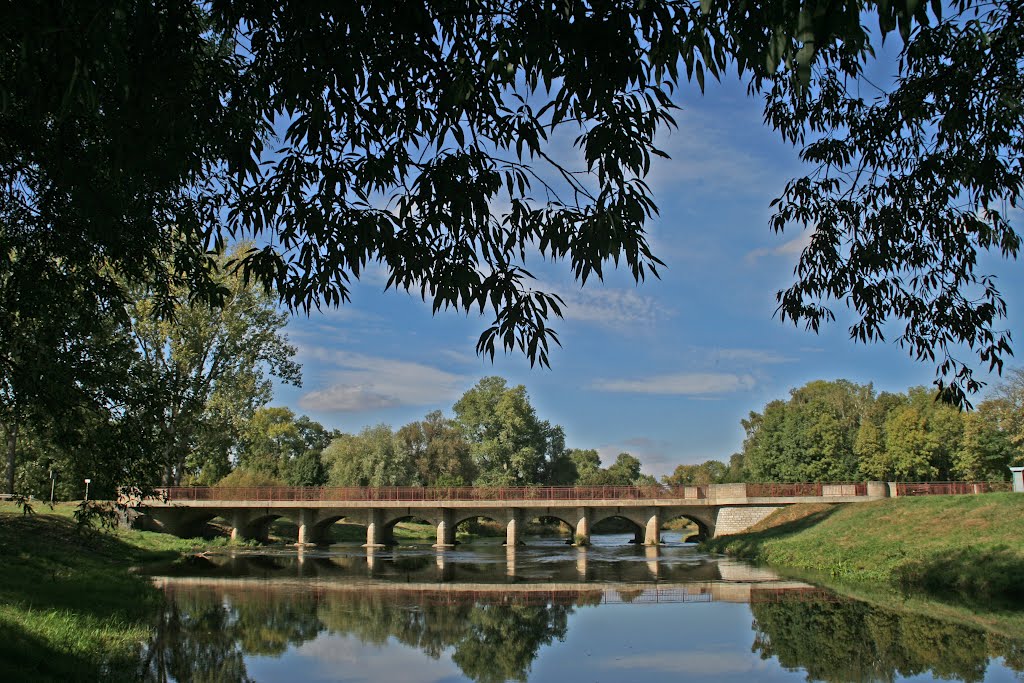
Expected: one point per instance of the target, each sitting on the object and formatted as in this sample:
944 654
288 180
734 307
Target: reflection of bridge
717 509
531 594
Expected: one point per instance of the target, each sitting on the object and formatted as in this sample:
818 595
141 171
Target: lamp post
87 482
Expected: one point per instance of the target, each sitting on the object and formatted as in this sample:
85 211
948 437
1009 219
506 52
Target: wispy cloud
708 157
611 307
358 382
792 247
658 457
686 663
750 356
680 384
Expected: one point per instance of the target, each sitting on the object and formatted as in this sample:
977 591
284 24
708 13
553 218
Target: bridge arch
464 519
603 522
318 532
702 527
705 518
390 521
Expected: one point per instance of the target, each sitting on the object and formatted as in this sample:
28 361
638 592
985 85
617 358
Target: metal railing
422 493
946 488
816 489
441 494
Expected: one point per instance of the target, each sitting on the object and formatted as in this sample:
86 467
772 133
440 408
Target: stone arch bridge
717 509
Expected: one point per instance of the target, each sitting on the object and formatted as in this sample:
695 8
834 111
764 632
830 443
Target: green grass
71 609
970 546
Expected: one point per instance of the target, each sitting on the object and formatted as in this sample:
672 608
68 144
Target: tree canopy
841 431
421 136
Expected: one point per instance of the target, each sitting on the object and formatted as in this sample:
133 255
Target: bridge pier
582 533
445 529
652 531
512 528
307 529
374 529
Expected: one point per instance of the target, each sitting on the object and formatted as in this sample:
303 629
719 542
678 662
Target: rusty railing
422 493
946 488
797 490
441 494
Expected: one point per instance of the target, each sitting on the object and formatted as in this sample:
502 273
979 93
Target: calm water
543 612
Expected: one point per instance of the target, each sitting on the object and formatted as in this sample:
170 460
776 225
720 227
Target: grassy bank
70 609
972 546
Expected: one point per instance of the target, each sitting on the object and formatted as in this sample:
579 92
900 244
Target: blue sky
665 370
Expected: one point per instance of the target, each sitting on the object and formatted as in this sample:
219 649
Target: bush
243 477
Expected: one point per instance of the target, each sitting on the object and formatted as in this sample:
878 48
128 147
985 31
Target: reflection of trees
192 642
490 642
202 636
500 642
267 623
853 641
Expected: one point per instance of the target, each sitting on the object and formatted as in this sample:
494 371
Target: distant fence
816 489
945 488
443 494
423 493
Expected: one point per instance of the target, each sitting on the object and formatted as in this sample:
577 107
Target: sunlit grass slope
70 609
970 545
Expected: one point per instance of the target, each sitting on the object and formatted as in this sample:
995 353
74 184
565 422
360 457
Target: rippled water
543 612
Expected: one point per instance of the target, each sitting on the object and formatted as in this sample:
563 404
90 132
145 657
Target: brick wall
733 520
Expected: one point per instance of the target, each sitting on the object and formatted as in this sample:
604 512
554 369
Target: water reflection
846 640
492 615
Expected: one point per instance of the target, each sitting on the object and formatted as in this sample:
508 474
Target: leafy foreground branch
966 547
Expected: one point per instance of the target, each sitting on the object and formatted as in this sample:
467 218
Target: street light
87 482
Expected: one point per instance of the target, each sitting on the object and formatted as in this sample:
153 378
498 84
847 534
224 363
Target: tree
439 451
207 367
374 457
910 186
708 472
584 460
1006 408
811 437
337 148
276 443
625 470
509 444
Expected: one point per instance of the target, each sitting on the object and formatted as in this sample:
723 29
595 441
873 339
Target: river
540 612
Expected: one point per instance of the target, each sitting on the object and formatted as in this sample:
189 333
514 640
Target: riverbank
971 547
70 608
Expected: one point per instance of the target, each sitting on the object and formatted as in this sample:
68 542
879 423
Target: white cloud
612 307
757 356
358 382
680 383
684 662
658 457
367 662
792 247
707 157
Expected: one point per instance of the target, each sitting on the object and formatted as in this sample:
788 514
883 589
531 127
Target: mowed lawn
970 544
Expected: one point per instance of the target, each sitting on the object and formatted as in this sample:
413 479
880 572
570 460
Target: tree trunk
12 444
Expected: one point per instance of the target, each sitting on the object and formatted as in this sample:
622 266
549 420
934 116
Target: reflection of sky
658 642
645 643
344 658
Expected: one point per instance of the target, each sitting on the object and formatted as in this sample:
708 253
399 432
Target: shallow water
541 612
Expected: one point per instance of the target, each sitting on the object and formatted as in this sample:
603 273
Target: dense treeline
495 438
842 431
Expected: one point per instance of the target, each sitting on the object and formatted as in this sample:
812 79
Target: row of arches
377 527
